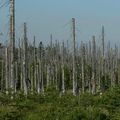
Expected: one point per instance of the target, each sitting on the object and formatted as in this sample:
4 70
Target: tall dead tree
2 75
63 72
6 71
74 64
90 65
16 75
83 66
20 62
56 64
12 44
103 50
41 67
25 61
98 69
103 57
103 43
94 66
34 65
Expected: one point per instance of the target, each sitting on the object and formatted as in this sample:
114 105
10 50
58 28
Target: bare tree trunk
94 66
103 56
42 78
90 66
12 44
83 67
63 74
99 70
56 74
41 63
48 75
2 75
34 65
25 64
16 76
6 71
74 64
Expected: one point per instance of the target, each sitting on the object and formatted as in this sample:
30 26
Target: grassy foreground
53 106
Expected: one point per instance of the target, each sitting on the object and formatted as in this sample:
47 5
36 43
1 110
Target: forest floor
52 106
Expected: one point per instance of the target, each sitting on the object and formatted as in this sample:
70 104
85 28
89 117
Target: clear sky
44 17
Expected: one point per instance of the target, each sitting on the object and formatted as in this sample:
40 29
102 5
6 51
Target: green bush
54 106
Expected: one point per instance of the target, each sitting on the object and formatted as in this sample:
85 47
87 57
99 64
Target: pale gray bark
94 66
74 64
63 73
83 67
6 71
12 44
25 60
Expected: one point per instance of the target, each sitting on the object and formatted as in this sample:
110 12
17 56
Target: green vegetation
53 106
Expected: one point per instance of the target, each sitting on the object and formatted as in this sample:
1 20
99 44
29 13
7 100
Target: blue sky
44 17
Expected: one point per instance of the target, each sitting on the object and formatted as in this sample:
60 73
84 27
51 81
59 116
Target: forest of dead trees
30 68
87 68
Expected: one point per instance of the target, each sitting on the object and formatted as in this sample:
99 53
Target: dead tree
2 75
16 75
12 44
90 65
94 66
34 65
63 72
103 53
41 67
20 62
74 64
103 44
83 66
25 61
6 71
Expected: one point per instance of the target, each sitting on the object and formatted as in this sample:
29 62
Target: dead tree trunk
74 64
94 66
83 67
25 64
16 75
2 75
41 67
90 65
12 44
63 72
6 71
103 57
34 65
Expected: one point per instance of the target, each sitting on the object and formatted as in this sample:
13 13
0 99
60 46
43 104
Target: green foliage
9 113
55 106
105 82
